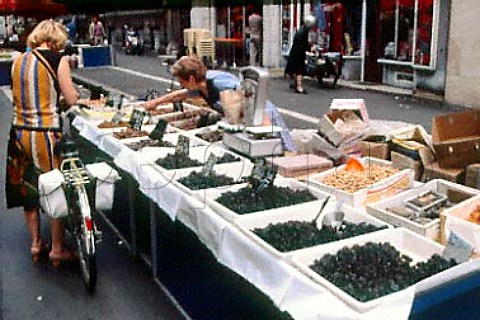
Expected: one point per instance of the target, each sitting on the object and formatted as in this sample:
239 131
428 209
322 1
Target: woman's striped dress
36 121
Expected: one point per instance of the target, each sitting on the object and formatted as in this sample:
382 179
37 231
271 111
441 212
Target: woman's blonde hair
48 31
188 66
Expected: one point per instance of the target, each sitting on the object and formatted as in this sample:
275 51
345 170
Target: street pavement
126 289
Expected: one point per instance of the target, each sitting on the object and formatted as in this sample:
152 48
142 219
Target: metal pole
364 39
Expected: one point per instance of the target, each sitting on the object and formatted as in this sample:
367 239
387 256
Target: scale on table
254 140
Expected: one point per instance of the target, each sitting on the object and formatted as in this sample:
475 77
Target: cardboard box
472 175
357 105
322 147
455 219
340 126
380 150
456 138
300 165
430 230
375 192
401 161
433 171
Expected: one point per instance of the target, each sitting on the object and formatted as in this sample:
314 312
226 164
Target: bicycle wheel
88 259
86 243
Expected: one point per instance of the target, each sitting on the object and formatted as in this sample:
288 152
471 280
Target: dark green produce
177 161
295 235
243 201
227 158
196 180
373 270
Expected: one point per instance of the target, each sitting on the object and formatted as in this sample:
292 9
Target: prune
295 235
243 201
177 161
373 270
197 180
211 136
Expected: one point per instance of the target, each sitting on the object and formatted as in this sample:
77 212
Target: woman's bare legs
32 219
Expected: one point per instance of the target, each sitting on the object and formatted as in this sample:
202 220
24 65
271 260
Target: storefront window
409 26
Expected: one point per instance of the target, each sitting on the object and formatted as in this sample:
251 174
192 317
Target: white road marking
297 115
139 74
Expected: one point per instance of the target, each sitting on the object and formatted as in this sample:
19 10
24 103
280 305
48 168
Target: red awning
32 8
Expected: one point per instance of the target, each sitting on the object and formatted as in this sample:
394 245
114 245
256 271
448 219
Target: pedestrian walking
96 32
39 77
255 43
295 67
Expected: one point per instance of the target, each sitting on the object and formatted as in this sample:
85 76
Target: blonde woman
39 78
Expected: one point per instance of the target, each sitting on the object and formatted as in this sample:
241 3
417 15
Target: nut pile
352 181
475 215
108 125
130 133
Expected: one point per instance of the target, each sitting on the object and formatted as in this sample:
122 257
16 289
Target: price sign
457 248
117 118
136 120
183 145
178 106
262 176
209 164
159 130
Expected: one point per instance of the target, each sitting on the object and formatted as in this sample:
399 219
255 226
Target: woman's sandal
63 256
37 251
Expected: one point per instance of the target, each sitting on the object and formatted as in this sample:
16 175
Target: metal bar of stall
133 228
153 239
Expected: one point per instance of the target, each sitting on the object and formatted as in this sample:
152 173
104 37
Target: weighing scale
253 139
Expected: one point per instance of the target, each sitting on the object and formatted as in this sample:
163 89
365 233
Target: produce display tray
235 170
407 242
243 144
430 230
307 212
380 190
230 215
455 219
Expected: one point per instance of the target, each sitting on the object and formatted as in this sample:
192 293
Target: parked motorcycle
324 65
134 43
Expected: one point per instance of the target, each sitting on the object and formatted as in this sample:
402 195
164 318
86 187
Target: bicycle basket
52 195
105 177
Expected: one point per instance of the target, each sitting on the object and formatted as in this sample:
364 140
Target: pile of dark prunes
196 180
148 143
295 235
244 201
373 270
227 158
177 161
210 136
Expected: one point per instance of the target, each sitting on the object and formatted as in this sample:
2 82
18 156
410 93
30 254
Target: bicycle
80 221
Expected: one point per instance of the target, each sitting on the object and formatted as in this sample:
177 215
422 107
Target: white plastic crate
415 246
430 230
230 215
307 213
380 190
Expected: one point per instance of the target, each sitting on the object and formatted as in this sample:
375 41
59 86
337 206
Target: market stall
189 213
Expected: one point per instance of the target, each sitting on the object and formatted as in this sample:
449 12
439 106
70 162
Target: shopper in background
197 81
296 59
96 32
39 78
255 44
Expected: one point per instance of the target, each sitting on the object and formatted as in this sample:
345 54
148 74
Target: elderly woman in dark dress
296 60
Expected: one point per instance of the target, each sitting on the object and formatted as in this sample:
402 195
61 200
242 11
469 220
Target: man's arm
175 96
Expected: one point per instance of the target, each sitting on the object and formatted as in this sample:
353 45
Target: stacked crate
199 42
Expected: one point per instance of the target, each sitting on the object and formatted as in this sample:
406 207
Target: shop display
373 270
110 125
177 161
197 180
210 136
244 201
130 133
295 235
139 145
354 180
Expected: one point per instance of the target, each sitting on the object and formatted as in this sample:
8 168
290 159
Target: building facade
422 45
